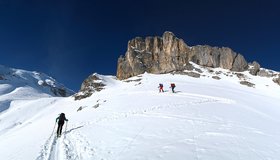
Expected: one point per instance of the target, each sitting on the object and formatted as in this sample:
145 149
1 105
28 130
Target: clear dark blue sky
69 39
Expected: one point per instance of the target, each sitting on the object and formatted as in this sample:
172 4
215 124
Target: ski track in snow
200 99
72 145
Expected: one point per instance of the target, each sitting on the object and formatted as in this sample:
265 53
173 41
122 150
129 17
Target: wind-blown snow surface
206 119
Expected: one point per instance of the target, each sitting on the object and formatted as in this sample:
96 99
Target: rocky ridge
169 53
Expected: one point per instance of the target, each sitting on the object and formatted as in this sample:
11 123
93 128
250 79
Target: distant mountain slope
17 84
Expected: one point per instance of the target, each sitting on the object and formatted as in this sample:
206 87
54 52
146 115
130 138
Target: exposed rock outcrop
277 80
59 91
216 77
153 55
169 53
246 83
265 73
90 85
239 64
191 74
254 68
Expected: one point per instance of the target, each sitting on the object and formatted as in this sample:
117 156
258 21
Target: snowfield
206 119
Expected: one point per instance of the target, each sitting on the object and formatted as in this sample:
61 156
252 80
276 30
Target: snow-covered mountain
17 84
211 117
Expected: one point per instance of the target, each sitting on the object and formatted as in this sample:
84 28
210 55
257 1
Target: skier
160 87
61 118
172 87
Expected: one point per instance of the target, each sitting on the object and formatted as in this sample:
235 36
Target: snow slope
206 119
17 84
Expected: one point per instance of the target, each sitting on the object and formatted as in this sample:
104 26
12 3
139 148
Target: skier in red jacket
160 87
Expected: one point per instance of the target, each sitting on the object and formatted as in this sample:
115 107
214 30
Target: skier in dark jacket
61 118
172 86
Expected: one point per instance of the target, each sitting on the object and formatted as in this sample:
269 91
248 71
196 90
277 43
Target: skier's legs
60 129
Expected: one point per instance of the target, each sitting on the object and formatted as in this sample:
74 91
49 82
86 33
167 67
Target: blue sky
71 39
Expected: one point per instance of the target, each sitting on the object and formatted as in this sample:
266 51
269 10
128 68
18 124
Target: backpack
172 85
161 85
61 117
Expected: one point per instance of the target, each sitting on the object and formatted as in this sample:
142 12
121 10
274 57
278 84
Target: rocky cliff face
169 53
90 85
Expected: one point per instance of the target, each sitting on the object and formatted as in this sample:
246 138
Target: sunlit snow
206 119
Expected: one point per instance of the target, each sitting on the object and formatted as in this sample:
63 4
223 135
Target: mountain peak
168 34
40 82
168 53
